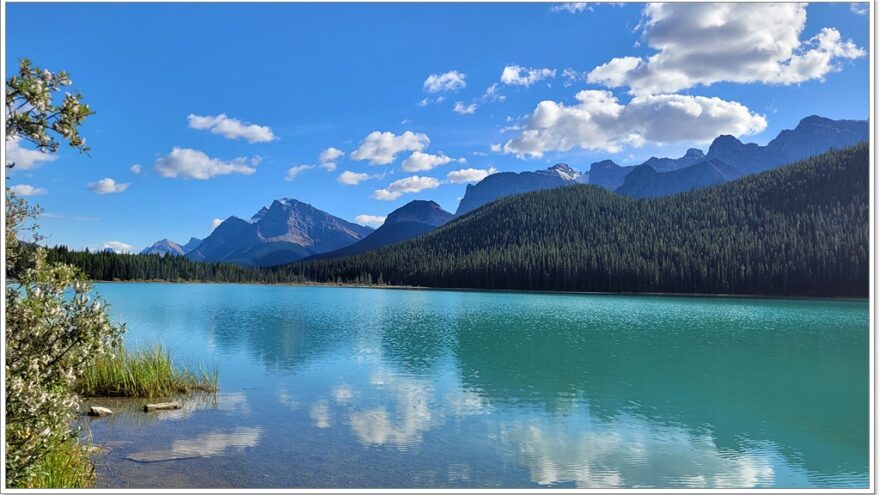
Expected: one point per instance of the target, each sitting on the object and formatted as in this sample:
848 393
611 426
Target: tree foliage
105 265
53 330
53 327
34 107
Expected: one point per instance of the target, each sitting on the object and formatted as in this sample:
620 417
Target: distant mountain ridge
506 183
285 231
410 220
645 182
163 248
169 247
191 244
727 158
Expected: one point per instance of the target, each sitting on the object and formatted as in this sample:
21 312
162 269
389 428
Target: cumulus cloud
571 7
371 220
448 81
419 161
118 247
24 158
469 175
107 186
523 76
27 190
194 164
411 184
231 128
598 121
216 223
328 158
350 178
292 172
135 169
706 43
381 148
463 109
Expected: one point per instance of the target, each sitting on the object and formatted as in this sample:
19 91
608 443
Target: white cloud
419 161
329 157
524 76
571 76
859 8
350 178
371 220
24 158
292 172
469 175
448 81
599 122
571 7
491 94
231 128
118 247
412 184
706 43
27 190
495 148
462 109
194 164
107 186
381 148
135 169
216 223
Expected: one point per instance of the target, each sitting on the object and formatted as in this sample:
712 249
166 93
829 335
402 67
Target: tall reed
66 466
148 372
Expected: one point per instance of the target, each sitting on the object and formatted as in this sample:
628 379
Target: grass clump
146 372
67 465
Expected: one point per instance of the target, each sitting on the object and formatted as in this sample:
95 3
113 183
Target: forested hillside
798 230
104 265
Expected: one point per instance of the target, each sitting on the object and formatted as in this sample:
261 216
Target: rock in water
159 406
99 411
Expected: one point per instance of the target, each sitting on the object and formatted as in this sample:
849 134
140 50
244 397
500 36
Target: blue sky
293 80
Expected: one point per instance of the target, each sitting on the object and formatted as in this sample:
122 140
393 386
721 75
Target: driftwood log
159 406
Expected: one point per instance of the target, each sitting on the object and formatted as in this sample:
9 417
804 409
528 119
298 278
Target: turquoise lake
344 387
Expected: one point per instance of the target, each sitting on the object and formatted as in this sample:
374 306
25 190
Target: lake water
344 387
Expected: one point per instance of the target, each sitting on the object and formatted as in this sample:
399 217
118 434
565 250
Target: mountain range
410 220
289 230
506 183
168 247
727 158
285 231
800 229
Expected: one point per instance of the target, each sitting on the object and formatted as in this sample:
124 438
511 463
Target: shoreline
511 291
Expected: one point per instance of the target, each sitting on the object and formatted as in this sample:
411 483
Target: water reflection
629 451
469 389
206 445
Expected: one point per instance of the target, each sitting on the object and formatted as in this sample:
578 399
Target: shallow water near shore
348 387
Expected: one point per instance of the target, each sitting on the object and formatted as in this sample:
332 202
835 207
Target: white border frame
871 299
